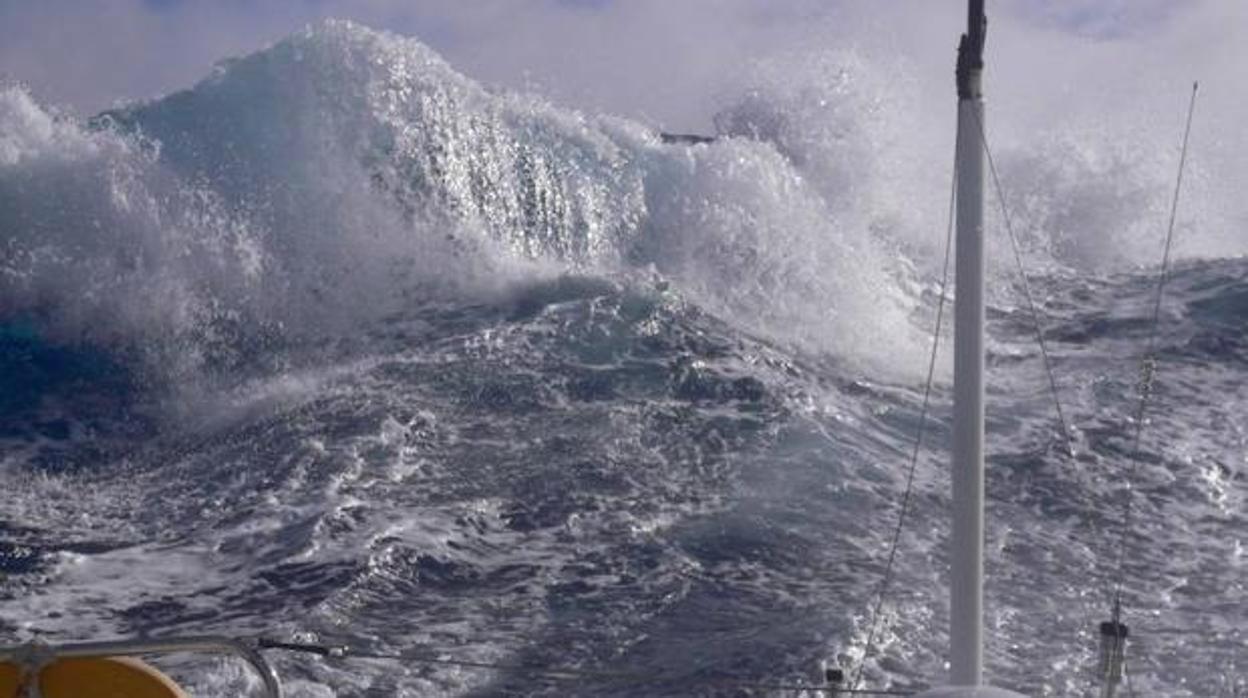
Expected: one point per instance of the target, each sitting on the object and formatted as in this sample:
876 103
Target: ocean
342 345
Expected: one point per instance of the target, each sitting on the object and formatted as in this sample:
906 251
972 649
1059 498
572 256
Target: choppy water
341 344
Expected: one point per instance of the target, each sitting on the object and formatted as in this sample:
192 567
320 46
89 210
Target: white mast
966 604
966 596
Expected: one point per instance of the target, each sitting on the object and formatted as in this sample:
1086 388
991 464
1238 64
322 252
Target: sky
665 62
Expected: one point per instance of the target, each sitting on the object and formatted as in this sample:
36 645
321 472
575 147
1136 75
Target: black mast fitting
971 51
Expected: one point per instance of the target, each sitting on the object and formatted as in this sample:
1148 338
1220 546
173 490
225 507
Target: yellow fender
91 677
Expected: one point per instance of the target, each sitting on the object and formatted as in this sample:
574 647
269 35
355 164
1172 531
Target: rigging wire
347 652
1033 308
1148 364
894 544
1148 367
1037 326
